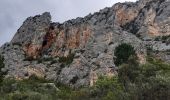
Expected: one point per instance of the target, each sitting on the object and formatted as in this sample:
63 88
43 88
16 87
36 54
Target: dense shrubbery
150 81
146 82
37 89
31 89
122 53
108 89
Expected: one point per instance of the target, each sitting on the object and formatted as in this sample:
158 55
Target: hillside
80 51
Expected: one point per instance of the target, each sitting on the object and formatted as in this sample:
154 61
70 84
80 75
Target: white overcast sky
14 12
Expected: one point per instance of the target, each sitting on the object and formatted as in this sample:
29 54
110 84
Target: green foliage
47 59
129 72
67 60
19 44
108 89
1 66
29 89
164 39
122 53
156 81
150 81
67 93
38 89
1 62
29 59
158 38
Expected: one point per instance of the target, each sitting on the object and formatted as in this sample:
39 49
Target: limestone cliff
77 51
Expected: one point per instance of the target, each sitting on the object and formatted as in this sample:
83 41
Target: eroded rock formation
77 51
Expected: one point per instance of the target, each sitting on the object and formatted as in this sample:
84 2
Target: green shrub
2 65
108 89
52 60
18 96
129 72
1 61
29 89
122 53
35 89
155 80
48 59
150 81
67 60
19 44
157 38
27 58
164 39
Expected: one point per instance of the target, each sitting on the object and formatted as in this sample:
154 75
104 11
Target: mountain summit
80 50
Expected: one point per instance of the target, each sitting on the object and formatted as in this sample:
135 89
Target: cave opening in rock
48 39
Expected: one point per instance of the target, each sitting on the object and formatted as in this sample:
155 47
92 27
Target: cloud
14 12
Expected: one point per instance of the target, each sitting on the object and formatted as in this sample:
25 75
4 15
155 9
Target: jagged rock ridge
77 51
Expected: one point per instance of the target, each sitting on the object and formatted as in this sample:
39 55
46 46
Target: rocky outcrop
152 20
80 50
30 34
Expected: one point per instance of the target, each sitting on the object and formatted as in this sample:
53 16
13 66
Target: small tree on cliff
122 53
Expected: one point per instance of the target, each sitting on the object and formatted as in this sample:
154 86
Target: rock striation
80 50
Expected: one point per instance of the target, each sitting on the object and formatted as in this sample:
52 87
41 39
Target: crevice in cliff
48 40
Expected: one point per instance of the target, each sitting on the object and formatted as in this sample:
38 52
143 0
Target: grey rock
92 39
32 29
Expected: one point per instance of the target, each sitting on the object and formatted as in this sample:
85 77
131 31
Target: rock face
77 51
152 19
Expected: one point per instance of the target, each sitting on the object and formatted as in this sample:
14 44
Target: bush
1 62
108 89
122 53
129 72
150 81
67 60
29 89
38 89
47 59
155 80
164 39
